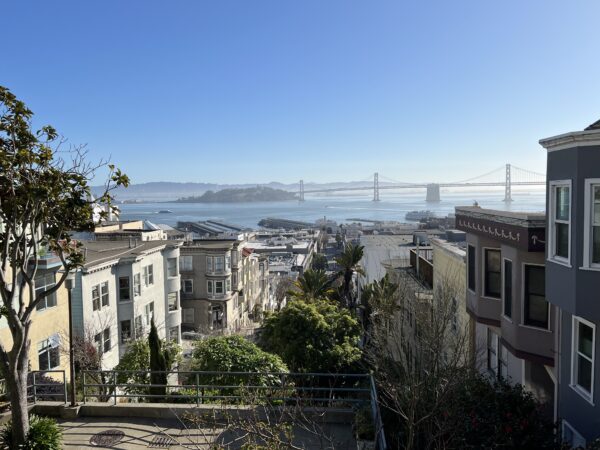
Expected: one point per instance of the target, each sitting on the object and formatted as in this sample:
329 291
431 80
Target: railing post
34 389
65 385
84 387
115 386
197 389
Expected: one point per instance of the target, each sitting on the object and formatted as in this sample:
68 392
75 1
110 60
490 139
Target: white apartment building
122 286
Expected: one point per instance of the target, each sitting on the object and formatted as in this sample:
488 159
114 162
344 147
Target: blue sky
324 90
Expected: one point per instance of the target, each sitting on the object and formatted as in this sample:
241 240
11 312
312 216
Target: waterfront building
49 332
573 276
515 326
123 285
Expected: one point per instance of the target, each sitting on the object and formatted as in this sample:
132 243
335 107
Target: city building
123 285
49 332
515 327
573 276
224 284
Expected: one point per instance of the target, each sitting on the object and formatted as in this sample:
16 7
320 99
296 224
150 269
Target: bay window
584 347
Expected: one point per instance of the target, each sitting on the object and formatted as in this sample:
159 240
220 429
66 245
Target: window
42 284
137 285
102 341
100 296
584 346
48 353
185 263
209 263
234 280
172 298
227 262
209 286
187 286
493 275
124 289
503 362
227 285
125 331
217 316
174 334
149 312
560 220
591 251
139 327
148 275
219 263
219 287
507 288
472 274
492 352
535 304
234 257
188 315
172 267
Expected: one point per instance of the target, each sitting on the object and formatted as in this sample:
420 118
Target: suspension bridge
506 176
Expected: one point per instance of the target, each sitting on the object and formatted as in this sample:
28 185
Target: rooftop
524 219
102 252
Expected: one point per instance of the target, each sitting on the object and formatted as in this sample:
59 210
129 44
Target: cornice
571 140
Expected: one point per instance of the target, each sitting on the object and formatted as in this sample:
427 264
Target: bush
44 434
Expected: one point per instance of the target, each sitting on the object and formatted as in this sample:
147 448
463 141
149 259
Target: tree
42 198
158 365
282 288
319 262
381 300
311 285
315 336
349 261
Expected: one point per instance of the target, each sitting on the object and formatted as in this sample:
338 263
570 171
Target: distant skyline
256 91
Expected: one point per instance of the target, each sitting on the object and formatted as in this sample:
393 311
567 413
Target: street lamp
70 284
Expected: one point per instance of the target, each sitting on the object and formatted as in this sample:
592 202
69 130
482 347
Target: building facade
121 288
515 327
573 275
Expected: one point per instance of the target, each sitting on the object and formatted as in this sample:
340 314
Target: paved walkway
159 433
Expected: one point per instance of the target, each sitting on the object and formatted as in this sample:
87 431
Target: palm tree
382 299
312 285
349 261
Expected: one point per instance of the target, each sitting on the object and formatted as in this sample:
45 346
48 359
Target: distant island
253 194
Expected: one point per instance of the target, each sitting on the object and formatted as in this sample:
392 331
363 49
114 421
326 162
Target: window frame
209 264
148 272
473 272
172 271
183 263
524 294
138 326
122 289
49 301
492 349
149 308
169 295
579 440
137 284
588 219
484 292
101 341
553 185
125 338
49 346
587 395
183 284
509 316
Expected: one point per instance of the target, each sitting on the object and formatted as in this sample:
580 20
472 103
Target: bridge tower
301 192
376 187
433 193
508 185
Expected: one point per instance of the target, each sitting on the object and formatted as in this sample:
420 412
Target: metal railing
42 387
238 388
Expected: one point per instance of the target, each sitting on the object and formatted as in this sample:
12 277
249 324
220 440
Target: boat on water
165 211
416 216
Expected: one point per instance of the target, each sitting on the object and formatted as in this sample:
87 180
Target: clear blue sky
254 91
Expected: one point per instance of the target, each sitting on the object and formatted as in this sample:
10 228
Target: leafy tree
42 198
158 365
381 300
349 261
137 358
319 262
312 285
313 336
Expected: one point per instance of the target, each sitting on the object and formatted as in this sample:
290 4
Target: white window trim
522 321
191 281
551 215
588 396
574 431
472 291
483 263
509 319
587 220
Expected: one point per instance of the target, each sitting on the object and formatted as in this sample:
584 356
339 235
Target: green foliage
158 365
349 261
319 262
44 434
312 285
313 337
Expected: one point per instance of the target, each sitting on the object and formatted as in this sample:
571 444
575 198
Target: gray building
573 275
515 326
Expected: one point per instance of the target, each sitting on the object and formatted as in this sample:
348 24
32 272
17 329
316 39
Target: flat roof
101 252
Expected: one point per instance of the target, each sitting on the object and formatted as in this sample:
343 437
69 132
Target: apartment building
123 285
49 332
224 285
573 276
515 326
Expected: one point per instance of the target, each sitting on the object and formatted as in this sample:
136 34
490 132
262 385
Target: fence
242 388
41 386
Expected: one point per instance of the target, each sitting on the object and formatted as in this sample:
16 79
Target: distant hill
166 191
254 194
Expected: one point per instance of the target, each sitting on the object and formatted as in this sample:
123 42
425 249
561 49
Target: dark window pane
562 203
508 288
536 306
471 269
493 277
596 245
586 339
584 373
562 240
